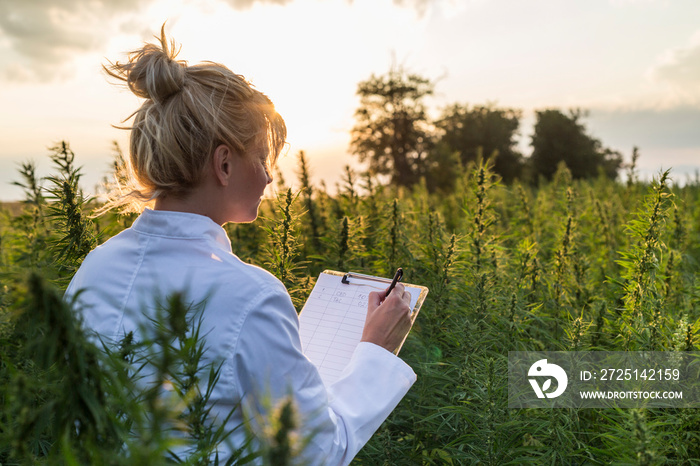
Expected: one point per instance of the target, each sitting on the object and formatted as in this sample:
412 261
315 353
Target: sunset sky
633 64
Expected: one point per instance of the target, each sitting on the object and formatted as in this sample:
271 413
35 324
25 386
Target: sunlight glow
309 55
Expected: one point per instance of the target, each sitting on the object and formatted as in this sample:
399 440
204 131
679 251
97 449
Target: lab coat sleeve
268 360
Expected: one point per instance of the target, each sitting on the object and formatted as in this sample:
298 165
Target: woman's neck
195 202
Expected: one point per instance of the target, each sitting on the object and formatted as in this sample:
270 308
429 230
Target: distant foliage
394 136
562 138
392 132
483 132
572 264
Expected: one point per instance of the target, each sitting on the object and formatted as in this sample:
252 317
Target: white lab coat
250 326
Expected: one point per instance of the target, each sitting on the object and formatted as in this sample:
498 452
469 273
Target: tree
443 167
483 130
559 137
392 131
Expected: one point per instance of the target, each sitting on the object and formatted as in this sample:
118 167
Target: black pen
397 278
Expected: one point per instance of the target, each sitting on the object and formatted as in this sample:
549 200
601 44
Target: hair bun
152 72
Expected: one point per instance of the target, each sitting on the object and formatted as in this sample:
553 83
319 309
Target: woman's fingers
400 292
388 318
374 299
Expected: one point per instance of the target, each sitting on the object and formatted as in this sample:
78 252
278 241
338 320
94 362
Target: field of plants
566 265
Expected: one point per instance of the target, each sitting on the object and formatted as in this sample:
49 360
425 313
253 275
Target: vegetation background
530 260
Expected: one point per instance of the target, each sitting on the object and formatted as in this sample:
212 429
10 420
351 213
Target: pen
397 278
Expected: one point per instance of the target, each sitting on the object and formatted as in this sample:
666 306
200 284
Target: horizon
633 64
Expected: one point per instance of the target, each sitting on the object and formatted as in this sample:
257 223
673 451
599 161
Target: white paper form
333 317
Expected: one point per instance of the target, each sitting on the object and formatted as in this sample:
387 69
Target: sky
634 65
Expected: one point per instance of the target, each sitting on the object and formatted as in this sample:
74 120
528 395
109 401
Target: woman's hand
388 320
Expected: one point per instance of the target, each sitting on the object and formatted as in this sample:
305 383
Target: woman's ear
222 164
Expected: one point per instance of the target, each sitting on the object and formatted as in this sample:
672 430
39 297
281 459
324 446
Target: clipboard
333 317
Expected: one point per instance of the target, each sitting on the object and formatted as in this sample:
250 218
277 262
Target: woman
201 148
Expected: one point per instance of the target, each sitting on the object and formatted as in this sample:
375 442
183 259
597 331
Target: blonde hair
188 112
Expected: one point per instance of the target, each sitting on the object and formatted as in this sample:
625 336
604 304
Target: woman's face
251 176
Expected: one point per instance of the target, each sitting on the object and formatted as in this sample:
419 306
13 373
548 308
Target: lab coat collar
183 225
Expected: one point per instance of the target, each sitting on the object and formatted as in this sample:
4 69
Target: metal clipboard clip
362 276
392 281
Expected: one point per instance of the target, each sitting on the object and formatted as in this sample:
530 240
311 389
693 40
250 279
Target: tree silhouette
559 137
392 132
483 130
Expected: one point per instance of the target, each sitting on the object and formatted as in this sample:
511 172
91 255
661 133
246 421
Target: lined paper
331 322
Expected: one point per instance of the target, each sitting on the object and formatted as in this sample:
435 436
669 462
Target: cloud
39 39
671 128
423 7
679 69
419 5
46 34
245 4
